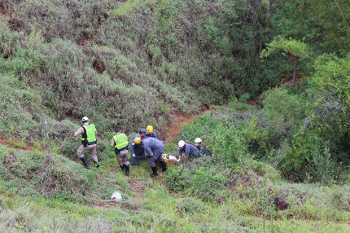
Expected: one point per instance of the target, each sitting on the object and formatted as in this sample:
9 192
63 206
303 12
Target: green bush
322 166
283 113
201 180
201 127
22 111
190 207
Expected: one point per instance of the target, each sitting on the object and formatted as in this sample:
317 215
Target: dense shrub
320 23
200 179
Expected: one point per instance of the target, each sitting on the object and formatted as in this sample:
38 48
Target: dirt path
178 121
6 142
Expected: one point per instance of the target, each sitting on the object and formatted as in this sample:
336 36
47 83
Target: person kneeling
154 149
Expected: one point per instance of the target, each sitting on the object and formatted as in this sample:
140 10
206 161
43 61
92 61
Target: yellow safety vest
121 141
89 134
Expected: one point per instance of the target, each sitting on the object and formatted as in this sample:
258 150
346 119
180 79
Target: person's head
181 144
117 129
85 119
198 141
137 141
142 132
149 129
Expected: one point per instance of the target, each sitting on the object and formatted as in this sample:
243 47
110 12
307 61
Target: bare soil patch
5 14
177 121
4 141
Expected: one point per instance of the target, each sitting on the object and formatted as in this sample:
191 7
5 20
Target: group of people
144 145
190 150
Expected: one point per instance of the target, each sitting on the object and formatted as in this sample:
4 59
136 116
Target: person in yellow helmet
154 149
150 132
120 144
89 141
137 150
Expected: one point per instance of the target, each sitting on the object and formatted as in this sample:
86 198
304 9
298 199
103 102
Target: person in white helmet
88 134
203 150
188 149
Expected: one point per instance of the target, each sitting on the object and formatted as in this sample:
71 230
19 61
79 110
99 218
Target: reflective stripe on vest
90 133
121 141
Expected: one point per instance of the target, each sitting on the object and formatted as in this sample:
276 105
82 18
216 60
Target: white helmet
85 118
181 143
198 140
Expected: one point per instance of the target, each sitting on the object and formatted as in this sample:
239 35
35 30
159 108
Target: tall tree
323 24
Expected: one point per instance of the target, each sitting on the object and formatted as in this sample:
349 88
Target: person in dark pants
89 141
154 149
188 149
120 144
137 151
203 150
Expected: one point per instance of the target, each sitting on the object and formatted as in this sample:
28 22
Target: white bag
116 196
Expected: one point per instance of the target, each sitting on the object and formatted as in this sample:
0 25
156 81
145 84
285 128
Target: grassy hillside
132 63
229 192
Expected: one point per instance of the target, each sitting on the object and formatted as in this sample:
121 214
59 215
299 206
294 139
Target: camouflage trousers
122 158
91 148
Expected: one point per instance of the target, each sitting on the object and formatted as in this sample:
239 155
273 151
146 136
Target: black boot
154 169
85 162
164 167
122 167
127 170
96 164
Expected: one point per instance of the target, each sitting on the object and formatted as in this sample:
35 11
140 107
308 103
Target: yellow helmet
149 128
137 141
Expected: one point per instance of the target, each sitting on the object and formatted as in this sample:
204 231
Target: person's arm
112 142
179 155
187 152
132 150
79 131
132 146
148 150
149 153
